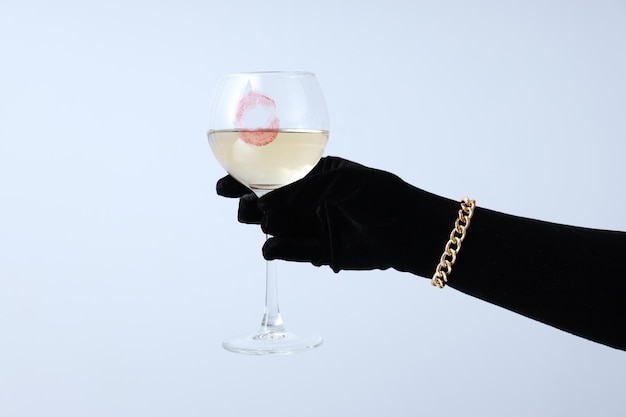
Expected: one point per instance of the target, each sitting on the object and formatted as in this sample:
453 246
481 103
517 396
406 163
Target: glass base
271 343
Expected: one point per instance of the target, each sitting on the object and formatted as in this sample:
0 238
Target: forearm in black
569 277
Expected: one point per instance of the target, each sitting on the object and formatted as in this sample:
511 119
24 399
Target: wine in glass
269 129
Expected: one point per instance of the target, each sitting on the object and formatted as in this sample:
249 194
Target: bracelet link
453 246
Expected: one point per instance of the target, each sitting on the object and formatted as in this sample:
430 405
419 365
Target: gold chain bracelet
444 269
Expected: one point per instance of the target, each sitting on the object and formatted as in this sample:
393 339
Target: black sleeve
569 277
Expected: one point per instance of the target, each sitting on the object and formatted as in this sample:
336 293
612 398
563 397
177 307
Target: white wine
268 159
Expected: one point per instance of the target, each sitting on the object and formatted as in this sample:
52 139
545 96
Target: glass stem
272 320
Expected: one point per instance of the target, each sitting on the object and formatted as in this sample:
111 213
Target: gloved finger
309 190
329 163
249 211
304 193
230 187
293 249
289 223
312 191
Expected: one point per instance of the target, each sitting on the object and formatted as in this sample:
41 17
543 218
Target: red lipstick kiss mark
260 109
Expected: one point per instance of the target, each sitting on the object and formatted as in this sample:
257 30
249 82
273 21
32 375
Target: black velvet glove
352 217
349 217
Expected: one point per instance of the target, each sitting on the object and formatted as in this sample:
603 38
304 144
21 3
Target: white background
121 271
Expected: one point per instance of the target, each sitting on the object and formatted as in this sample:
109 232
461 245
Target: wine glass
269 129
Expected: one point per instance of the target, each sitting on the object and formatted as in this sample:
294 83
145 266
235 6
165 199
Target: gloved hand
349 217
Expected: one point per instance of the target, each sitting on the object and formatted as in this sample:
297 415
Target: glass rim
269 73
